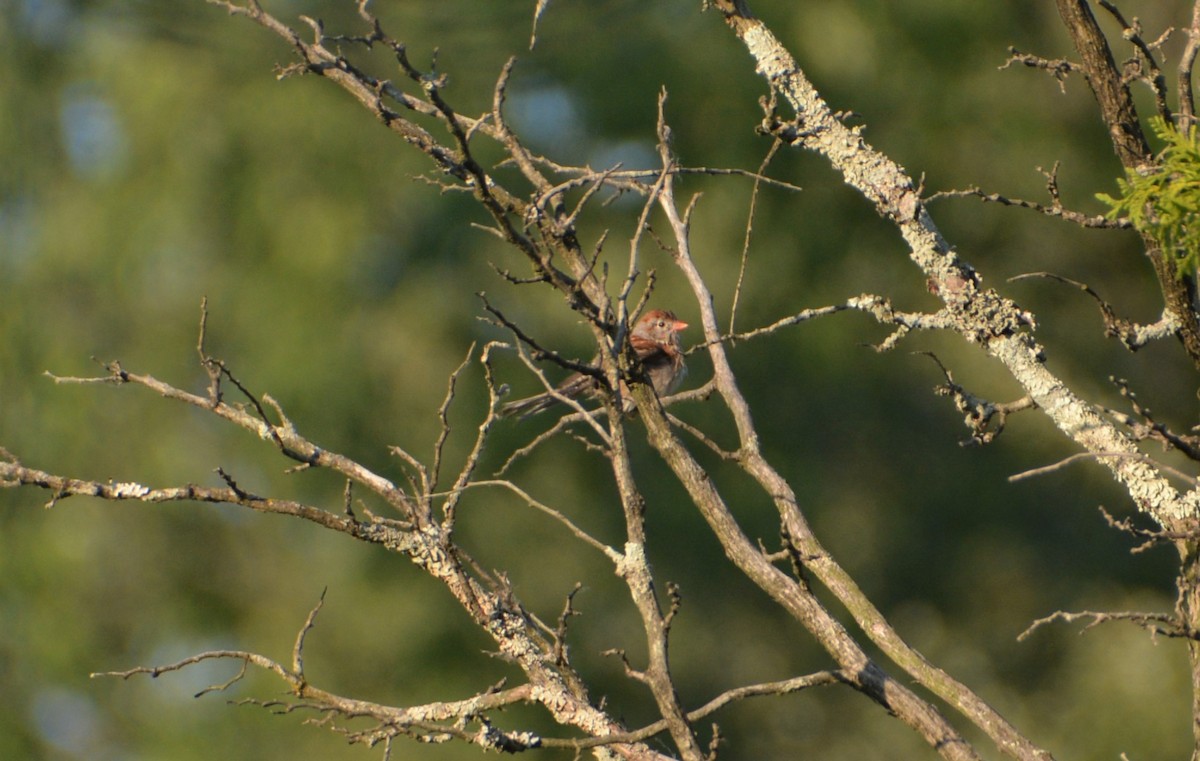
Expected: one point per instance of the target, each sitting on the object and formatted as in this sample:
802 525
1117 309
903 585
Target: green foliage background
151 158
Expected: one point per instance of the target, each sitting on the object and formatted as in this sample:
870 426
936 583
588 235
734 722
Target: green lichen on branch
1163 201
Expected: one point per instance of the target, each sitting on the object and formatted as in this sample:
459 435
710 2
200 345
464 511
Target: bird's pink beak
678 325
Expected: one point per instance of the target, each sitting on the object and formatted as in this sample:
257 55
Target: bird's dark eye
662 324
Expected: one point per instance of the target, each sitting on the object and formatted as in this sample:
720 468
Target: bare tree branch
538 206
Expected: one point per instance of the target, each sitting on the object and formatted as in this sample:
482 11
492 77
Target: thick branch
1119 113
795 597
980 316
492 606
1112 93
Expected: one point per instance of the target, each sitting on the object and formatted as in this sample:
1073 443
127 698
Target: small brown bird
655 341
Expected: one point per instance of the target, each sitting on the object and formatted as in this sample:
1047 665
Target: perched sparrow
655 341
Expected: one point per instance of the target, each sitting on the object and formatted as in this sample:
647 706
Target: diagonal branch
979 316
491 603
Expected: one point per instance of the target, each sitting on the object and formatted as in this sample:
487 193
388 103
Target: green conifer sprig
1164 202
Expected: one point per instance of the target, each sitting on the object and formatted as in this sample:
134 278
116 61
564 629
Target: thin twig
443 414
1138 456
1095 221
579 533
1058 68
1131 335
783 687
737 288
1155 623
309 623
